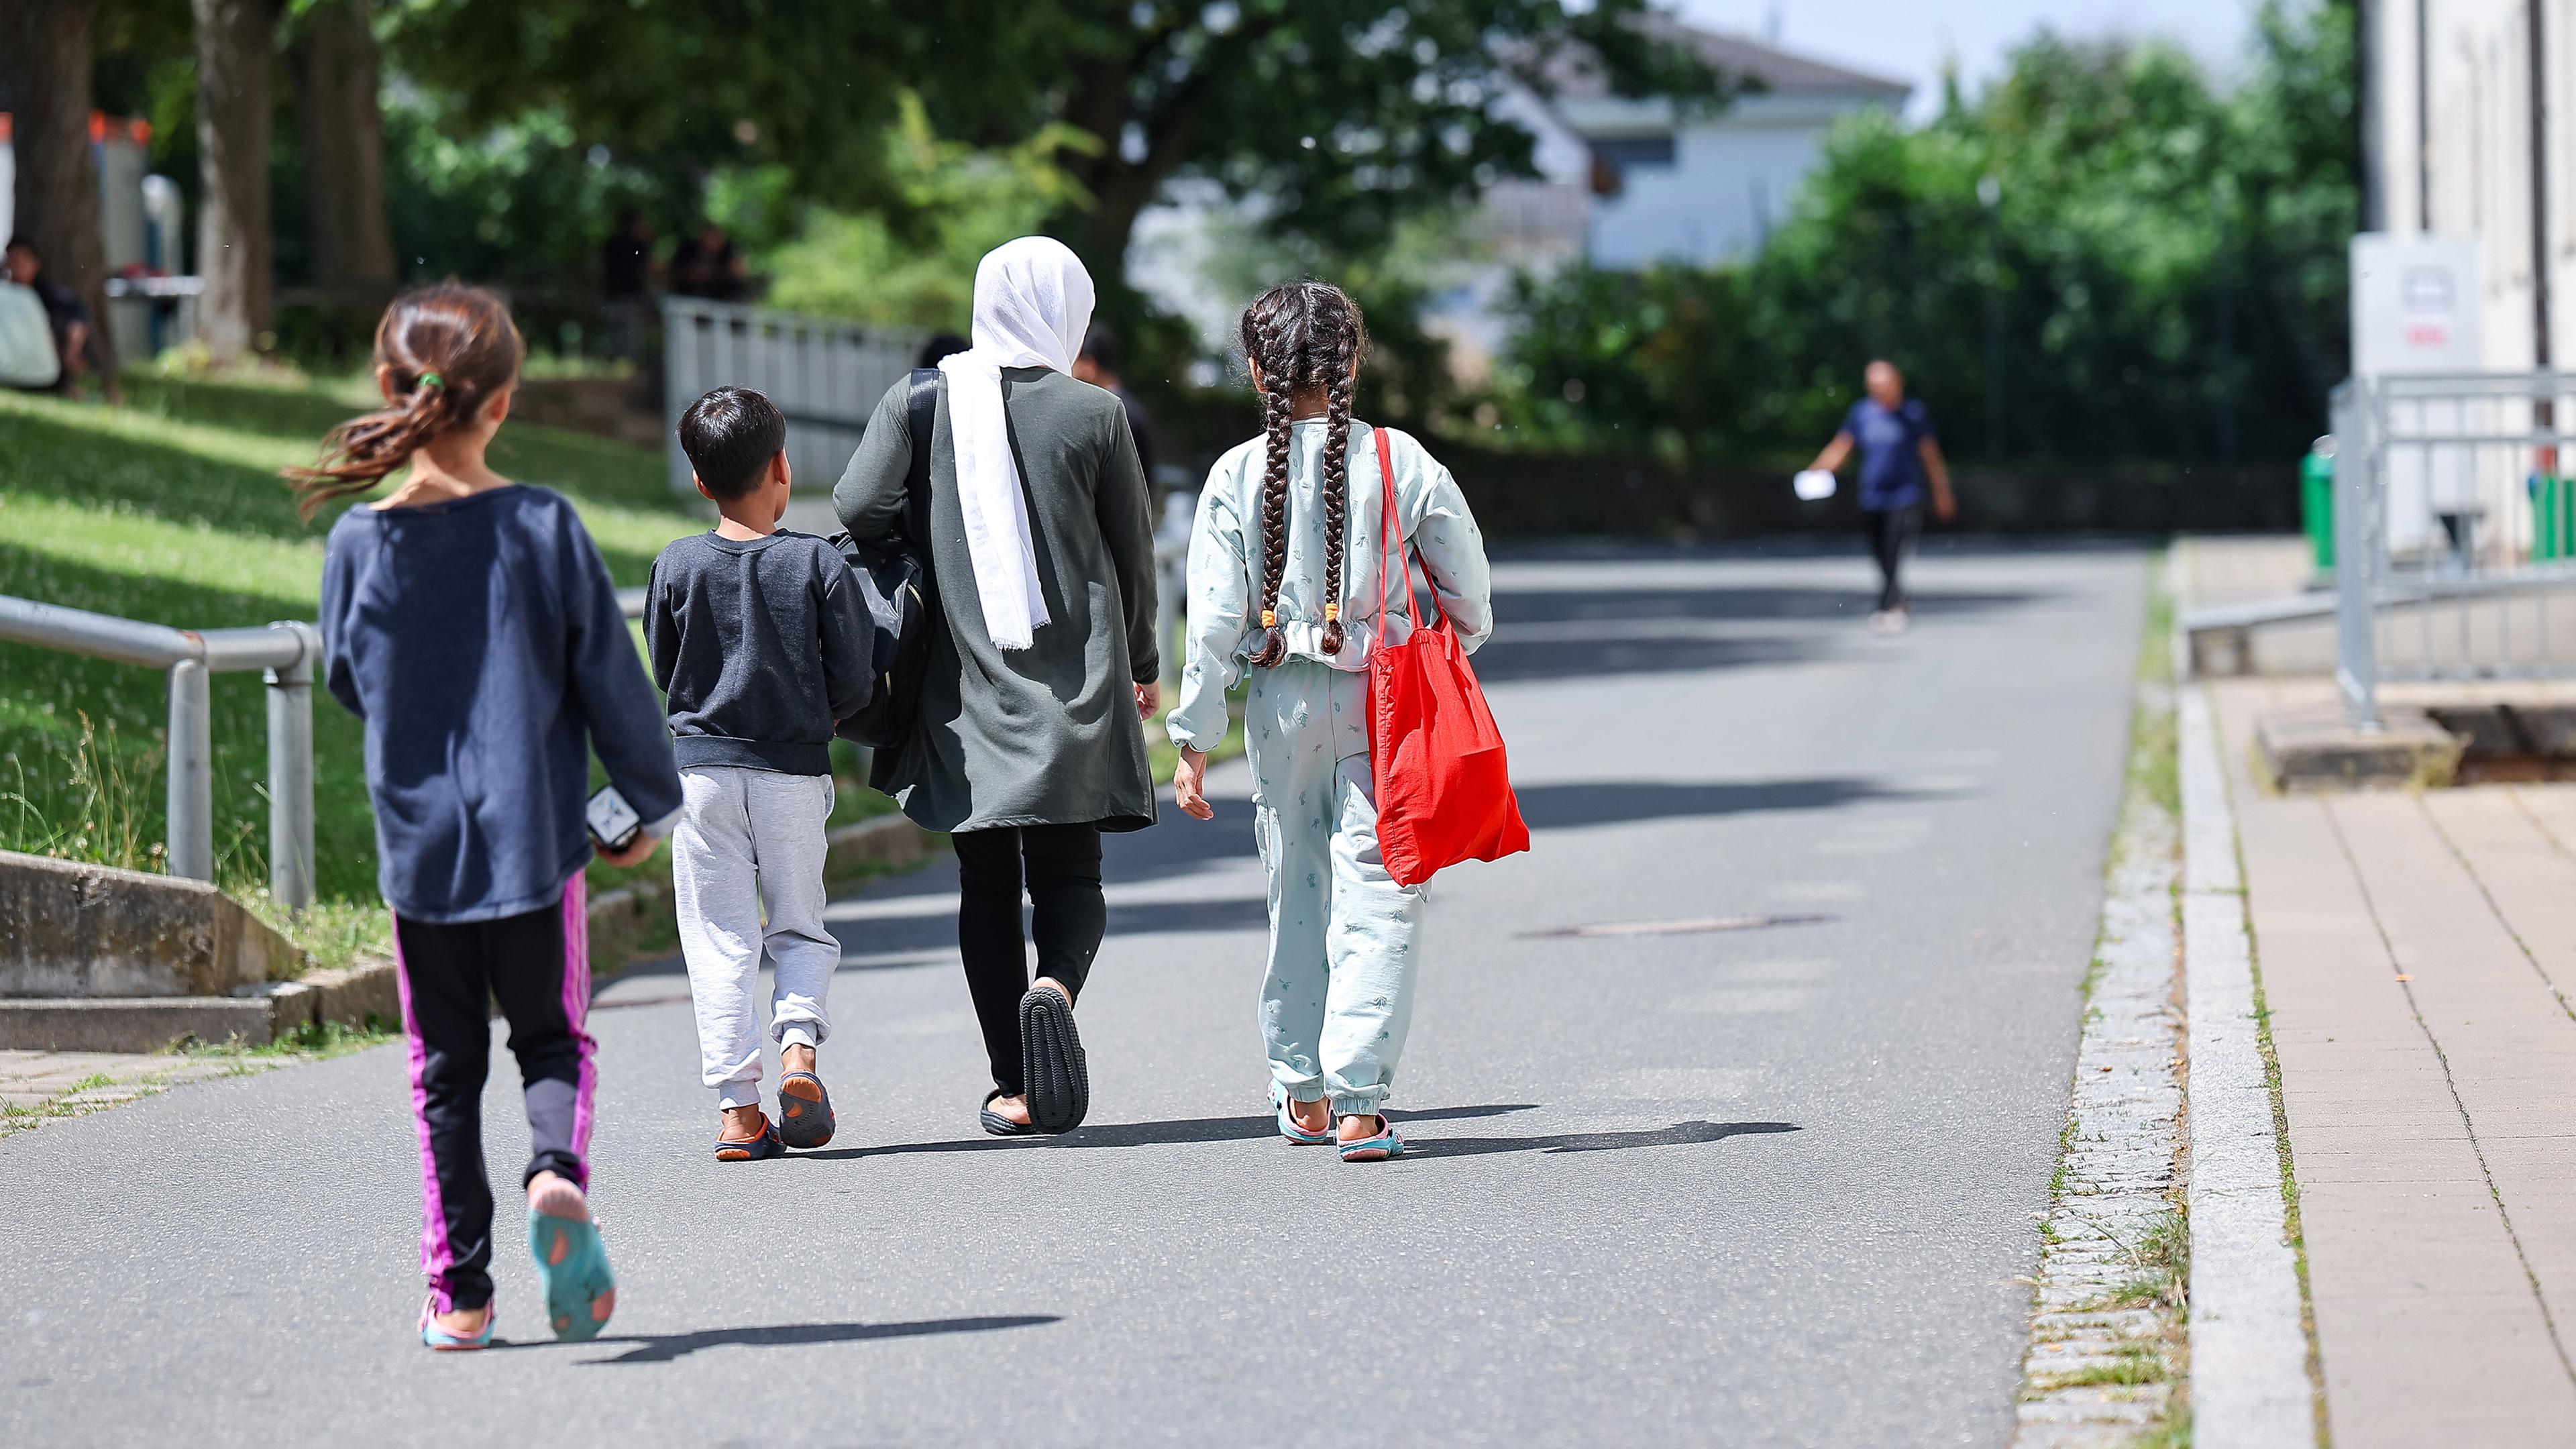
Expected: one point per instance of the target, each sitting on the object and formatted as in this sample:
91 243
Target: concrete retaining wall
132 913
74 930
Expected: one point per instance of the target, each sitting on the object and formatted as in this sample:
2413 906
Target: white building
1664 182
1626 182
2469 131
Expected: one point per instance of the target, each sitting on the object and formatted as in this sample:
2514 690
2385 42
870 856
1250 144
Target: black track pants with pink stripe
537 966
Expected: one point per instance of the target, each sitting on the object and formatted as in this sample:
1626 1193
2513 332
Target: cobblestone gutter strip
2248 1335
2107 1355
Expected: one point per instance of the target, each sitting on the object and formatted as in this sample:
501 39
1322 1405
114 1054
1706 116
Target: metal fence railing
826 376
2455 538
286 652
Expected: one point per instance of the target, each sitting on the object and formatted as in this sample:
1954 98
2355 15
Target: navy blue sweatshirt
480 642
761 644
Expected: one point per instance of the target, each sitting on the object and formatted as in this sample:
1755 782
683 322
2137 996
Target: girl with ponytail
1291 586
470 625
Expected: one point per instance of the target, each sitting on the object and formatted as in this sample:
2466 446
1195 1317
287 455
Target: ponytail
442 354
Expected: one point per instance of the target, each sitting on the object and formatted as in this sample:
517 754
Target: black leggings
537 965
1063 882
1891 533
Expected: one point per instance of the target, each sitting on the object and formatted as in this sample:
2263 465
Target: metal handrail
2382 562
285 652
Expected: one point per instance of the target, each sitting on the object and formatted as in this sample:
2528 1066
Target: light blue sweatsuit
1344 937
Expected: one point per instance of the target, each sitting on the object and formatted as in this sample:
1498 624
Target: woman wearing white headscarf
1042 656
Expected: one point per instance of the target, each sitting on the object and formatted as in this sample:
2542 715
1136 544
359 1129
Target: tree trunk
334 60
234 41
45 65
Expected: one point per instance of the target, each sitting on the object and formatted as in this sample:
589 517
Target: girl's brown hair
1304 336
443 352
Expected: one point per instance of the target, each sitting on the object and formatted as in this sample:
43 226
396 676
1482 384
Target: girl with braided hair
1290 582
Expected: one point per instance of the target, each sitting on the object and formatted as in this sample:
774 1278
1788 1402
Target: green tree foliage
523 202
2167 261
854 264
700 84
1344 116
1408 379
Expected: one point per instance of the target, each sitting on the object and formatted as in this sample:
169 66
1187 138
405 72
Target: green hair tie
431 379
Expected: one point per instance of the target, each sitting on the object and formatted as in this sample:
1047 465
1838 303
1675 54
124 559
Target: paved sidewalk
2418 957
35 1086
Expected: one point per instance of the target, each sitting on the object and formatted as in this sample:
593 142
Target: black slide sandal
999 1125
1052 1062
805 1117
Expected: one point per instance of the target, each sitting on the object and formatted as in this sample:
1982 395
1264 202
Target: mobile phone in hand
613 823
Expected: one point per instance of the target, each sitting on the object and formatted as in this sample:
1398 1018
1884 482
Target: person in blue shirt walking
470 624
1900 464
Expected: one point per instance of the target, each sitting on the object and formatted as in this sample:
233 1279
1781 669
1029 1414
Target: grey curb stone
2249 1350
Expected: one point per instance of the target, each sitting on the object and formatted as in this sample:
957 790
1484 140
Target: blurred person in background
709 265
626 283
76 340
1098 365
1900 464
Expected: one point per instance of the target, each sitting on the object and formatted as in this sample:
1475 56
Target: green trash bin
2553 508
2316 501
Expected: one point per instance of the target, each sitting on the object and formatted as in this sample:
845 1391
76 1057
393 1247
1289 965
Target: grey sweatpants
749 846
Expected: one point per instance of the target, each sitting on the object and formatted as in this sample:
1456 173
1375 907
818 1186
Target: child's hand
637 851
1149 698
1189 785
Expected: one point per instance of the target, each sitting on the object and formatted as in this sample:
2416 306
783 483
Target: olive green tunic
1046 735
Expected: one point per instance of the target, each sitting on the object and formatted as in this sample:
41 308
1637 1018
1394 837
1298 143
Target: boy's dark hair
730 435
24 244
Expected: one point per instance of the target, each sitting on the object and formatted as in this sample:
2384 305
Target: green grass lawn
171 510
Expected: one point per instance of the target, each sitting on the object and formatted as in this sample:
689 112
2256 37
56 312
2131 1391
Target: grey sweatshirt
760 644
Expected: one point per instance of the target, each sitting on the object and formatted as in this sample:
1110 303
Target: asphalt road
1772 1184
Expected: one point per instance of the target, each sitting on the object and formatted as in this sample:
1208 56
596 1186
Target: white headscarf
1032 306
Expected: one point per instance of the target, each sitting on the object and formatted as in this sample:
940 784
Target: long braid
1337 475
1276 407
1304 337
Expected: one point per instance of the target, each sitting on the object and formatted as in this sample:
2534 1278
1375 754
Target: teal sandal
1288 1127
577 1281
440 1340
1384 1144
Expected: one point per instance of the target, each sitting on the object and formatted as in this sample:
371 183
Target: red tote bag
1444 788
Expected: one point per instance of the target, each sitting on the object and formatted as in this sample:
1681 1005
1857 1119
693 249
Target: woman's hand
637 851
1189 785
1149 698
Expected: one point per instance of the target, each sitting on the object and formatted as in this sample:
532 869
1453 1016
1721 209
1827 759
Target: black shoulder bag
894 578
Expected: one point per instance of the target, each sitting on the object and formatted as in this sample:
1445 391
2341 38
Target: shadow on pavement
1147 1134
663 1348
1529 606
1613 802
1508 659
1680 1134
1571 633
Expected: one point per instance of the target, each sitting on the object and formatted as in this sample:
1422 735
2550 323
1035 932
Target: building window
1612 159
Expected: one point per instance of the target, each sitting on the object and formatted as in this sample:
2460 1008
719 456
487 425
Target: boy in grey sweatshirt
761 640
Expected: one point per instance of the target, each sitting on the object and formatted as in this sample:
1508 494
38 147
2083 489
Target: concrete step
253 1016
